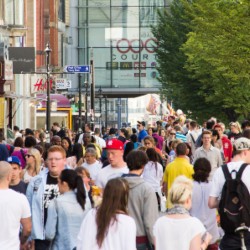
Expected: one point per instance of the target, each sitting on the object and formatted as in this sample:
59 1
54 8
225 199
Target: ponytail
80 192
75 182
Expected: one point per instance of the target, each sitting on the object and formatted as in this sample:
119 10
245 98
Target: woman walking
66 212
109 227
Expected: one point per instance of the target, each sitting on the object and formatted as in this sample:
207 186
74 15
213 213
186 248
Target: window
14 12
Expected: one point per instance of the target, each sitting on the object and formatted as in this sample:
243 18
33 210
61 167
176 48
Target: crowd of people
144 188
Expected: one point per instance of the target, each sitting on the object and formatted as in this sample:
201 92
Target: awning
62 101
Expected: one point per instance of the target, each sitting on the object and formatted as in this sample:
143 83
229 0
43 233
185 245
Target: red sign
41 84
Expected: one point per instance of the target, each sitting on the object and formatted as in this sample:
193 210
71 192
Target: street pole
106 112
80 103
48 51
100 104
86 84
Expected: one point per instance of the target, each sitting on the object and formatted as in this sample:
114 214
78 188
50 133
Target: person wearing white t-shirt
14 211
118 230
177 229
241 156
91 163
117 166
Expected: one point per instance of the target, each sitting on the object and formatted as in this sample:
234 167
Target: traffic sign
62 83
77 69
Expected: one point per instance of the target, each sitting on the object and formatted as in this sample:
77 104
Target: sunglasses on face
28 155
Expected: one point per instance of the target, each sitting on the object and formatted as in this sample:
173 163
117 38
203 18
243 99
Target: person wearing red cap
117 166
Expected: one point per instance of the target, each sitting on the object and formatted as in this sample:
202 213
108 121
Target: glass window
125 16
99 15
98 3
14 12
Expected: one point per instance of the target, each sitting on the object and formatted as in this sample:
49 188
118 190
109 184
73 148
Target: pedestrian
180 166
33 165
62 225
14 211
232 240
116 166
153 173
16 183
42 189
177 229
142 201
109 226
208 151
200 209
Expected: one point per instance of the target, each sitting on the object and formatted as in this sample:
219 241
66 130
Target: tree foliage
203 56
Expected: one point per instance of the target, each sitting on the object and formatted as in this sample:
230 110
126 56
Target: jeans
144 246
42 244
233 241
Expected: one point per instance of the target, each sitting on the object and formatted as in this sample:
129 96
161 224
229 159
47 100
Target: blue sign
77 69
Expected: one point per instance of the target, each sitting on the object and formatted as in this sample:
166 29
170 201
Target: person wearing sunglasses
33 165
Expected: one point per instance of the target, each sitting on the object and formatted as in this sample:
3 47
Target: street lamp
86 85
47 52
100 102
80 103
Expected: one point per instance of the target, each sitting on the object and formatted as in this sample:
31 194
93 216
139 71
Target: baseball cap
242 144
114 144
14 159
141 123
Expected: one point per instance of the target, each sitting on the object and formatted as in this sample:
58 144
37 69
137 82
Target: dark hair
210 124
30 141
77 151
16 128
181 149
153 156
56 124
136 160
154 129
18 142
133 138
115 199
246 133
125 132
193 124
202 168
215 133
74 181
29 131
128 148
245 124
69 151
134 130
190 155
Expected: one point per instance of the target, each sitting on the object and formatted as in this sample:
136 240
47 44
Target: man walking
241 155
41 190
208 151
179 166
14 210
117 166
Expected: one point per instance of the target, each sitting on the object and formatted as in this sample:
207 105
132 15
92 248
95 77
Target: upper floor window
14 12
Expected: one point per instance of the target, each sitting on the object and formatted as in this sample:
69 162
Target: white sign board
62 83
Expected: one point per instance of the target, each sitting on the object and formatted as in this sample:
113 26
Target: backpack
234 206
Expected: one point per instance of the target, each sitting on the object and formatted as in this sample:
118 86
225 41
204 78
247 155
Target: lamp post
47 52
80 103
100 103
86 85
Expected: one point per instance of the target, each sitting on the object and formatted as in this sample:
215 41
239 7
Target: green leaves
204 56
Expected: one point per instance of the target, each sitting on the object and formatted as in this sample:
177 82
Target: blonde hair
34 152
181 190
